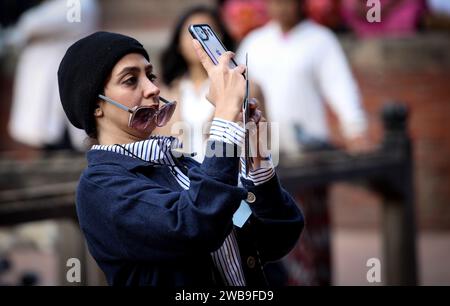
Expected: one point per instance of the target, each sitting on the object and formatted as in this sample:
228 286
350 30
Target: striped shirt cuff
261 175
227 131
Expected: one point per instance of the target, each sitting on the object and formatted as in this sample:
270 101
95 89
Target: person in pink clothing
399 18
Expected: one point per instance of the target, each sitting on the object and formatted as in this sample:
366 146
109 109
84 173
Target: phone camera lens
202 33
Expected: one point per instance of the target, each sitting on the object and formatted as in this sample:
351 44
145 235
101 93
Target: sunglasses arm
115 103
164 100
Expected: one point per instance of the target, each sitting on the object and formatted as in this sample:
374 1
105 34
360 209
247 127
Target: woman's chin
142 133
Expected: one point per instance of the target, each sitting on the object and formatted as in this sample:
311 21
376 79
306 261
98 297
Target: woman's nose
150 89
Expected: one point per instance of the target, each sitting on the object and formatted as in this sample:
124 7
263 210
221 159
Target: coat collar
155 150
102 157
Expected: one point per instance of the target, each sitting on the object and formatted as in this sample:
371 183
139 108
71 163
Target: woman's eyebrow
149 67
130 69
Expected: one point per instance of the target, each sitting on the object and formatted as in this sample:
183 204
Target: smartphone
215 48
210 42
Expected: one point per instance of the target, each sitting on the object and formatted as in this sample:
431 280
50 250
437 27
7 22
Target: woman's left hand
258 132
255 114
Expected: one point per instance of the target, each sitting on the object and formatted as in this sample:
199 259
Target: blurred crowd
41 32
397 17
40 29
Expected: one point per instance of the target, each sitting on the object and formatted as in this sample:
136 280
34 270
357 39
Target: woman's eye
152 77
130 81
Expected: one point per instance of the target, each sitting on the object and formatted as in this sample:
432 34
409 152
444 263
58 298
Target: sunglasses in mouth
141 116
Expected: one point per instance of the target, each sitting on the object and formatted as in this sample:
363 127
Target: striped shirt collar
157 149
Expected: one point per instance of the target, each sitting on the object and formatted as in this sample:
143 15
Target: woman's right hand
227 89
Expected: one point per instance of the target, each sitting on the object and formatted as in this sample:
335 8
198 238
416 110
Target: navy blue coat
143 228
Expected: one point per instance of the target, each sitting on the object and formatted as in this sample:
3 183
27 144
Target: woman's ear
98 112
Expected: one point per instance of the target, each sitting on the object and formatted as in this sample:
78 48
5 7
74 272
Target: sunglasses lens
142 117
165 113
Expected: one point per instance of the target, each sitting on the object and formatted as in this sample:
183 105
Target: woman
150 217
187 81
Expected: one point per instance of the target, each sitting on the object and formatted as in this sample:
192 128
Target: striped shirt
159 150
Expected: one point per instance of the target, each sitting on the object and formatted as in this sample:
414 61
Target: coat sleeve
277 221
153 223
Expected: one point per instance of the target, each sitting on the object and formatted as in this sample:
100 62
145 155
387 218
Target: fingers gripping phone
215 48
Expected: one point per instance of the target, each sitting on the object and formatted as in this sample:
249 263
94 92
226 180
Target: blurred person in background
42 34
300 65
186 81
243 16
398 18
325 12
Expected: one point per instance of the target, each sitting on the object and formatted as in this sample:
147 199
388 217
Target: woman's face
186 49
130 83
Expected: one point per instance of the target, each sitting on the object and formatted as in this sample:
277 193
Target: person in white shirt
43 33
300 65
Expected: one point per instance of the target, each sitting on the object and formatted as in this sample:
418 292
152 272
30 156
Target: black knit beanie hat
83 72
